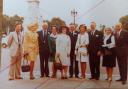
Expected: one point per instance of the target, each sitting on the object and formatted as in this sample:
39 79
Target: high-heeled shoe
31 78
62 77
109 79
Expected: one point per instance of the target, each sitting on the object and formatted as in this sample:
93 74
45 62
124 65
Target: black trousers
44 67
73 69
123 67
94 62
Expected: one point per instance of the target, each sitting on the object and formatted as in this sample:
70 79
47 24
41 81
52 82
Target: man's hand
98 53
68 55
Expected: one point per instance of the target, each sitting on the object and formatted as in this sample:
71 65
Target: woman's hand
83 46
25 53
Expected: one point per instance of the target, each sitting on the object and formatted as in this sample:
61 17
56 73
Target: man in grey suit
15 43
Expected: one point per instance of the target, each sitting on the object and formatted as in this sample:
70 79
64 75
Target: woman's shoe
109 79
19 78
62 77
82 77
106 79
53 76
65 77
11 79
31 78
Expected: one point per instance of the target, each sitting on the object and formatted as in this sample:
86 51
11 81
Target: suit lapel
15 37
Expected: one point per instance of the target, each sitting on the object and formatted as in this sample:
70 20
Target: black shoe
106 79
41 76
91 78
119 80
70 76
47 76
96 78
77 77
10 79
124 82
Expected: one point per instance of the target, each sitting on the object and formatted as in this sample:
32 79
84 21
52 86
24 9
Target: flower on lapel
74 33
48 33
97 35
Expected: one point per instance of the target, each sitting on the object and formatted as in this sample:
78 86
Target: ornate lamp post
74 14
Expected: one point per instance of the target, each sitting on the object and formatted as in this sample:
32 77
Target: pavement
51 83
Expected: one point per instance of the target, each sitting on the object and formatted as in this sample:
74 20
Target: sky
107 12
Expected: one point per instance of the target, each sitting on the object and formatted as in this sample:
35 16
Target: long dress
31 45
63 47
109 44
81 52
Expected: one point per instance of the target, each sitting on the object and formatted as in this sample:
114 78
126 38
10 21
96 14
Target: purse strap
59 59
26 60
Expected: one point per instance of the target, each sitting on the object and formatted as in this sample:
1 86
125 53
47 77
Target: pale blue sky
106 13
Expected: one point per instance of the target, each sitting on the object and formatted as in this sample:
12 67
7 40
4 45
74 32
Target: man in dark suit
94 49
73 69
121 36
44 51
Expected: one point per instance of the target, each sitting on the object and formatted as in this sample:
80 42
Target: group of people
72 47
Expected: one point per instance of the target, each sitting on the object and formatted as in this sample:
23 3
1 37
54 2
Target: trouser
15 67
44 67
73 69
94 62
123 67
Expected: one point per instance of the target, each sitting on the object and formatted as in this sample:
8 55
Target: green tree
57 21
124 21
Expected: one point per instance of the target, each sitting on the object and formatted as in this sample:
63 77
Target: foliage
124 21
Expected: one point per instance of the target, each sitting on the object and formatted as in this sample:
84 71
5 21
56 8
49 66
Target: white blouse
112 44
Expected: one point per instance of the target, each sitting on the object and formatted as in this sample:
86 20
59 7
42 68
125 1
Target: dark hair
18 23
83 25
60 30
53 27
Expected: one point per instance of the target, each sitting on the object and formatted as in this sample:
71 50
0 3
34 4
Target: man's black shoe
97 78
91 78
47 76
124 82
70 76
77 77
119 80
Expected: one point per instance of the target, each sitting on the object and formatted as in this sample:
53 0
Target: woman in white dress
63 46
81 49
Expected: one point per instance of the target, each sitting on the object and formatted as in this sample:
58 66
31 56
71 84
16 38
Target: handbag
25 67
58 65
107 52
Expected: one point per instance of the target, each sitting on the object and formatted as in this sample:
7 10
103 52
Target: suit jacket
43 42
122 43
13 43
73 37
95 42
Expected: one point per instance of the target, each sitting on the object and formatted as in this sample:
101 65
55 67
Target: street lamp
74 13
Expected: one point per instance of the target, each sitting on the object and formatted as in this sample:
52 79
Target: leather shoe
11 79
124 82
19 78
97 78
77 77
91 78
119 80
70 76
47 76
